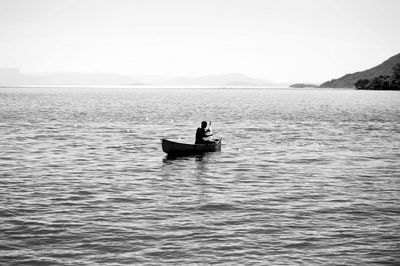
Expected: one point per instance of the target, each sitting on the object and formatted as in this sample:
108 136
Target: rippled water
304 177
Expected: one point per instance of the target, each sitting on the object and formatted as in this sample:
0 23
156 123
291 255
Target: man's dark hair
203 124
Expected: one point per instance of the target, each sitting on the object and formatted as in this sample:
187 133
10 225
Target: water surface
304 177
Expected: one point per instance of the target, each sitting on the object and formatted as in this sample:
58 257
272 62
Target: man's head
203 124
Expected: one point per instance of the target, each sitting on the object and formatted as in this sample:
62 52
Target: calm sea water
304 177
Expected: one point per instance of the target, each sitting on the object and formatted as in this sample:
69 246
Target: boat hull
177 148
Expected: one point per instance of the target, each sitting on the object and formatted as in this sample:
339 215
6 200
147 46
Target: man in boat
202 133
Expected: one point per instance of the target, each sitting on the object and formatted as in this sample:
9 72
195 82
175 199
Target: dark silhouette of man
202 132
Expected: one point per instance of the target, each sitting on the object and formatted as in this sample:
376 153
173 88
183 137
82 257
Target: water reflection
202 157
197 164
196 174
169 157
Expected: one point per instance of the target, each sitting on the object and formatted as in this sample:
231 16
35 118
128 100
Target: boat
178 147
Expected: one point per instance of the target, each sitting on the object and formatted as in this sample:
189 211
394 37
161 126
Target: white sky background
285 40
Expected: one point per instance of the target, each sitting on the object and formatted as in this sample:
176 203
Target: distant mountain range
347 81
12 76
232 79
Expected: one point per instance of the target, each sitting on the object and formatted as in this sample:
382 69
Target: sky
285 40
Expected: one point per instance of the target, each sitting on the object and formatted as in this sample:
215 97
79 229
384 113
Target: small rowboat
173 147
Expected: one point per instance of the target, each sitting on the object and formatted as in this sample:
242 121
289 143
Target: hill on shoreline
347 81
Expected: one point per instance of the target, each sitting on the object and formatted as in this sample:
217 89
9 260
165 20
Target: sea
304 177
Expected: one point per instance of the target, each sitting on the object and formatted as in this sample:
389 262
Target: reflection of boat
177 147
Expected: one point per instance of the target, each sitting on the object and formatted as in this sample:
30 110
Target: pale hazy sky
285 40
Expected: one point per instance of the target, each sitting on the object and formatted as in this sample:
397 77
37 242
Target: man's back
200 134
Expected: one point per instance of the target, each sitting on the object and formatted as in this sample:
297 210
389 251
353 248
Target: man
202 132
